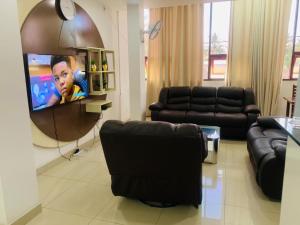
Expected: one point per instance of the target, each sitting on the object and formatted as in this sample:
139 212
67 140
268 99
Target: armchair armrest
267 122
156 106
252 109
280 151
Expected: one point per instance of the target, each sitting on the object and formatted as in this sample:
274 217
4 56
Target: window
216 35
291 67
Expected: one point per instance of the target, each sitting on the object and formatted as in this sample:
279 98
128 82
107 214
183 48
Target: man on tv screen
64 81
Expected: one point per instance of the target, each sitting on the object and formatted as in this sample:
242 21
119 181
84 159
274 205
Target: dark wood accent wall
43 32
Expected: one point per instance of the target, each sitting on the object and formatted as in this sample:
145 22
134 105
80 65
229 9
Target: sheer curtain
257 43
175 55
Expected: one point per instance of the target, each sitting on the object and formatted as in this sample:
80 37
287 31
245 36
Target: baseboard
54 162
28 216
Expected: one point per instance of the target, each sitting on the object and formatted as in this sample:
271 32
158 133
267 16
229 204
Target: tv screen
55 79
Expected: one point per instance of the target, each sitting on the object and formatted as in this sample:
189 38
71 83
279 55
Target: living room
54 169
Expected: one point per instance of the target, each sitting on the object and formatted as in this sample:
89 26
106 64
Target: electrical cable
56 137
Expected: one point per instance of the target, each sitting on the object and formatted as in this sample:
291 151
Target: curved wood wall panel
44 32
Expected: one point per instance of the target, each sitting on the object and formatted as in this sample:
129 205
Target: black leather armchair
155 161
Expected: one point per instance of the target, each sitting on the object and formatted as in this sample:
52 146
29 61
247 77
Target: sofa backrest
178 98
230 100
207 99
203 99
139 148
249 97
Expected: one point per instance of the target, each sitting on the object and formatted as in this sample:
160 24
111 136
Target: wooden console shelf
97 106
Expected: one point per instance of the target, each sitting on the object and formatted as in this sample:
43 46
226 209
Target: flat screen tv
55 79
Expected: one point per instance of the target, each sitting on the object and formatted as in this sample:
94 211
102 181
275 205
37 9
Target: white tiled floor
78 192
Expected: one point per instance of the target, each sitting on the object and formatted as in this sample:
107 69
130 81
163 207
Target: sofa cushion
173 116
178 98
230 100
201 118
231 119
203 99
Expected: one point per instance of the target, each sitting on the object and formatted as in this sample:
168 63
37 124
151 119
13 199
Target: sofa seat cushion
231 119
173 116
262 147
201 118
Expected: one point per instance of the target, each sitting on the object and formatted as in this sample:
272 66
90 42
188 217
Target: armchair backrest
139 148
155 161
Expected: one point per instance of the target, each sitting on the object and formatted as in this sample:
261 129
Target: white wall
136 62
19 192
124 66
113 30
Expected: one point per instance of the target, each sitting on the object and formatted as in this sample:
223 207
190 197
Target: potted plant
93 66
104 65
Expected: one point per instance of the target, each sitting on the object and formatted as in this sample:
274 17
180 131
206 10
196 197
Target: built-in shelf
97 106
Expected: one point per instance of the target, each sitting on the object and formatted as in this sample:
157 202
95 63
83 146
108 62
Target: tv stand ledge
97 106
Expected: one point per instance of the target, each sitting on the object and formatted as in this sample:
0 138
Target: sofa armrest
267 122
156 106
252 109
205 148
280 151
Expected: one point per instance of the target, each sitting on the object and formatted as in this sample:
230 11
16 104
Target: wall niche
44 32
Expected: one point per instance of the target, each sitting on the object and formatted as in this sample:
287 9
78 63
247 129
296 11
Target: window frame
213 57
295 54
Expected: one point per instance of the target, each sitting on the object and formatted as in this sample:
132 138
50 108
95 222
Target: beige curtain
175 55
257 45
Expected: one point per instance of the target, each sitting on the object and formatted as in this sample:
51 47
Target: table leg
292 111
287 109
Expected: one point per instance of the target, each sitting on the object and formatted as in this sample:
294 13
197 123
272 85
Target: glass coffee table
213 138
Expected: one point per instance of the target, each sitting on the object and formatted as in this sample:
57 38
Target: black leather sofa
266 144
155 161
231 108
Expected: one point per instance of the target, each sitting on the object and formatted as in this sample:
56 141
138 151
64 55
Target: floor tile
78 192
243 216
127 211
51 187
89 171
188 215
213 184
51 217
63 168
100 222
85 199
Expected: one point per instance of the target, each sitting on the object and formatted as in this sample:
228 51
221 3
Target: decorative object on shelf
93 66
102 79
65 9
104 65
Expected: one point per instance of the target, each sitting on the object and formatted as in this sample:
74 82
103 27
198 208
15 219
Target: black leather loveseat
155 161
231 108
266 144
